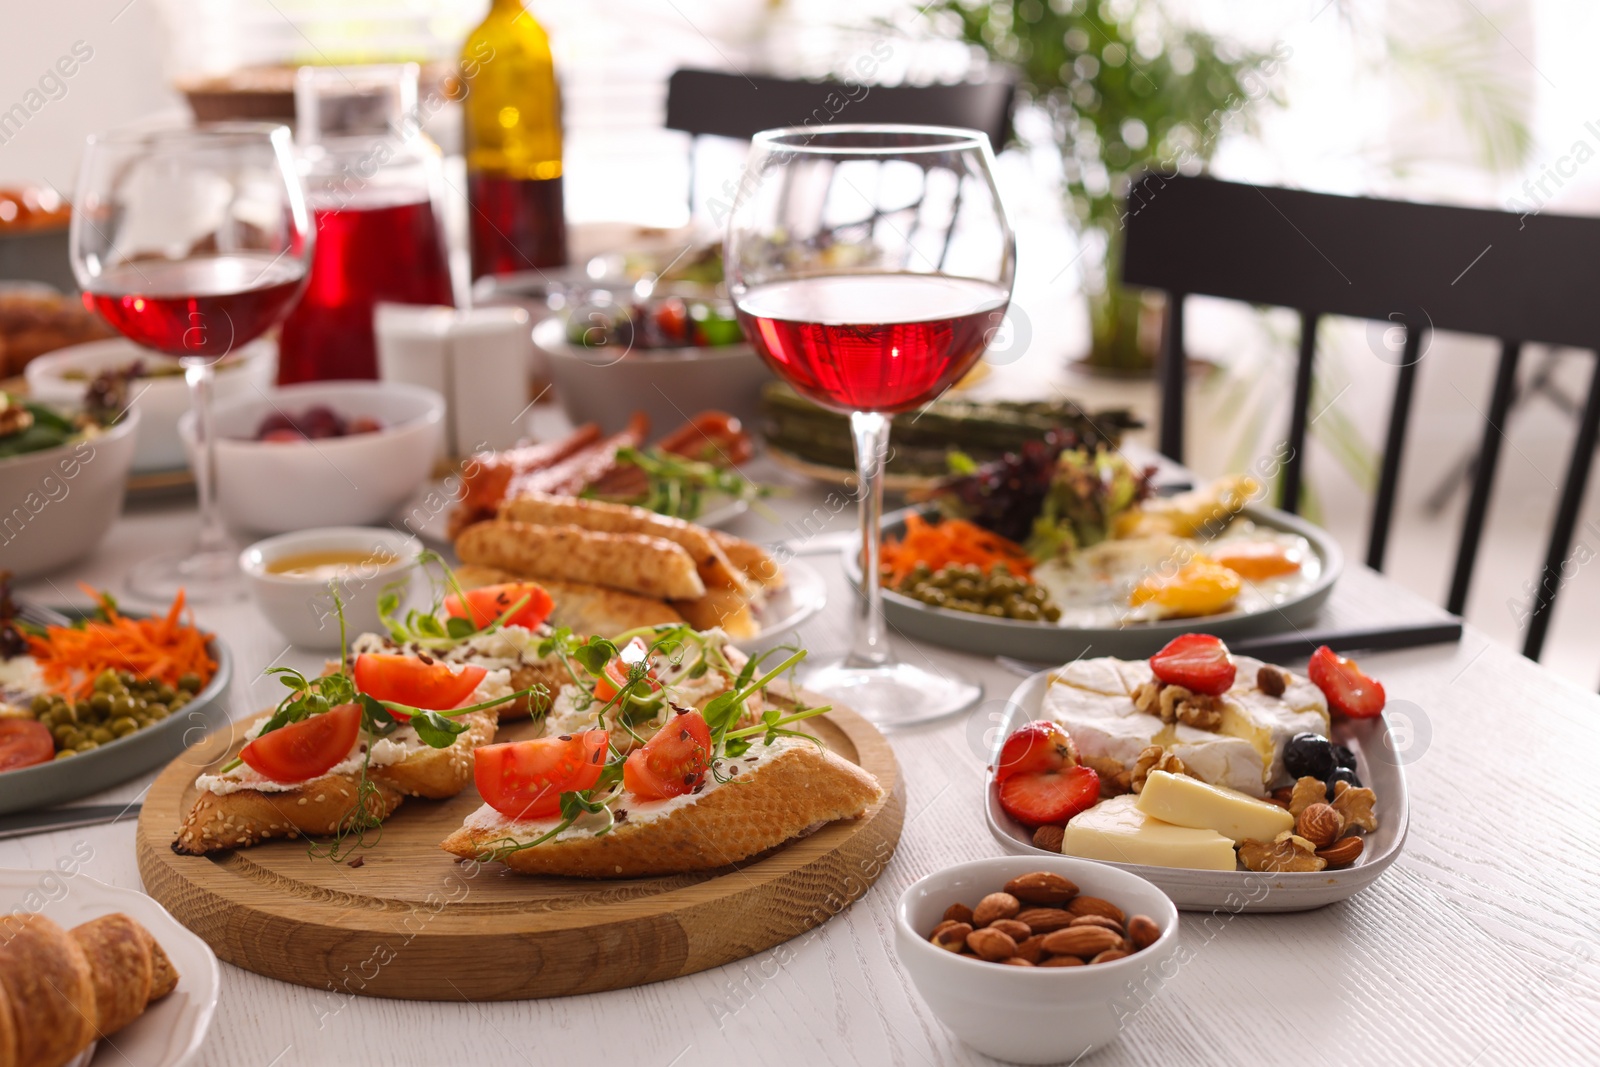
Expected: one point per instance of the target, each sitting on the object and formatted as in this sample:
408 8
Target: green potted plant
1126 89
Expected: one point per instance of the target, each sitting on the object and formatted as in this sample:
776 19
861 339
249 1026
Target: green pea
103 735
100 702
124 725
189 683
995 610
1027 612
156 712
935 597
1052 613
62 730
1035 594
165 693
87 745
42 704
122 706
180 700
65 753
106 682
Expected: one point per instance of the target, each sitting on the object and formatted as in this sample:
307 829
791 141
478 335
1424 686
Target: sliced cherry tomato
1036 746
712 436
1198 662
24 742
615 674
305 749
485 605
408 680
525 779
671 763
1348 688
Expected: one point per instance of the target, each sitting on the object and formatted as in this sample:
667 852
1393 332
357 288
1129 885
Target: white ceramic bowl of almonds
1036 1014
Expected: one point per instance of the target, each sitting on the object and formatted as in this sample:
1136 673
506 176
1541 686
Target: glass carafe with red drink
870 266
372 180
192 242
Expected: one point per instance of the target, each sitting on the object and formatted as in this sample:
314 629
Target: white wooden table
1477 947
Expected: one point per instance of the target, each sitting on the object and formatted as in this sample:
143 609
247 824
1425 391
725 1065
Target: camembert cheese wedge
1185 801
1117 831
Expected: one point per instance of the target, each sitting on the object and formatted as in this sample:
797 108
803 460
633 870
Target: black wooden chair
1517 278
723 104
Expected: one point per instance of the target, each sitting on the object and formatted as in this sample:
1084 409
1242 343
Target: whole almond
958 913
1049 838
1320 824
1343 852
995 906
993 945
1031 949
1045 920
1108 955
1143 932
952 936
1017 961
1042 887
1017 931
1081 906
1096 920
1061 961
1085 941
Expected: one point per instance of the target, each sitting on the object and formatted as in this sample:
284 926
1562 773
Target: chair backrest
725 104
1518 278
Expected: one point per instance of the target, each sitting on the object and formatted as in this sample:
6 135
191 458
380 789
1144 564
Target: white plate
427 515
170 1033
803 594
1377 765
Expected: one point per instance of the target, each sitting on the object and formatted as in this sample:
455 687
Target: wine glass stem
198 373
870 429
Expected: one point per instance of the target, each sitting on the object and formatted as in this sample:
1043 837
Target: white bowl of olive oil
293 578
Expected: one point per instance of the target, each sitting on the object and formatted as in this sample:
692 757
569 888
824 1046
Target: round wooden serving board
414 922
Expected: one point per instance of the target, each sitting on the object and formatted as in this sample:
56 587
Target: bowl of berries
322 453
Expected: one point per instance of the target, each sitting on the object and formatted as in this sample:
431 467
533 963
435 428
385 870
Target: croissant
61 990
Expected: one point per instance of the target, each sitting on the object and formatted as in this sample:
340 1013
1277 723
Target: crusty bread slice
582 607
797 790
240 819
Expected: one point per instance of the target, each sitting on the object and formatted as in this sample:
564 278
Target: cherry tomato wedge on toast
1348 688
24 743
487 604
525 779
306 749
615 674
409 680
671 763
1198 662
1034 747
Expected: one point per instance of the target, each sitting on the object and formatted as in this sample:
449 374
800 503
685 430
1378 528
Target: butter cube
1116 830
1185 801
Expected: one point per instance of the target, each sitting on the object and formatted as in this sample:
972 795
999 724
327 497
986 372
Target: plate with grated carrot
87 706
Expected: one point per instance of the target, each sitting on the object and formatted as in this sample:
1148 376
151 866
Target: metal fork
39 615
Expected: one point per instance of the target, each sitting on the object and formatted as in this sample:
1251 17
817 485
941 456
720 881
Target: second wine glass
192 242
870 266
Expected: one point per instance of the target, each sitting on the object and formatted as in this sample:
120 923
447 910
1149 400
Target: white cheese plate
1377 765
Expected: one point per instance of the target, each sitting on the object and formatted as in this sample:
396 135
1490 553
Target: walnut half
1155 758
1174 703
1285 853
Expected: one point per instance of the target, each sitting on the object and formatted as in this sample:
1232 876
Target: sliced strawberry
1034 747
1198 662
1348 688
1050 798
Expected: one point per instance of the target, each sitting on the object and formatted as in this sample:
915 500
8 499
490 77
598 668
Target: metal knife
44 822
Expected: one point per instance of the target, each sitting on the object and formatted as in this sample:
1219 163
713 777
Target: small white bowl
1033 1014
57 504
301 609
161 401
275 487
671 385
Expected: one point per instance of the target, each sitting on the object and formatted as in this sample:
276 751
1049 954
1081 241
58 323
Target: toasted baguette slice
713 565
238 820
633 563
782 799
720 607
582 607
756 562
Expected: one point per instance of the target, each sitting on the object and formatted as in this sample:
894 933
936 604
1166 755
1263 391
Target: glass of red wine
870 266
192 242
